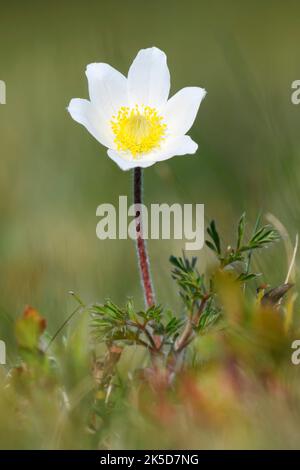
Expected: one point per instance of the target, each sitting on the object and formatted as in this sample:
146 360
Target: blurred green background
53 174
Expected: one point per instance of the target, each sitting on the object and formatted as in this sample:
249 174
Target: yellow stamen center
138 130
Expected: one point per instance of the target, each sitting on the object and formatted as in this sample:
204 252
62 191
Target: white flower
133 117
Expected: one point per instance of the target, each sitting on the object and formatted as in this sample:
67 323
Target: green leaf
243 277
131 312
211 245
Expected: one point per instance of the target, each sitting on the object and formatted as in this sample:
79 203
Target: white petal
149 78
126 164
107 88
85 113
182 108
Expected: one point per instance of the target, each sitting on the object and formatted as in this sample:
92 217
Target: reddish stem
140 242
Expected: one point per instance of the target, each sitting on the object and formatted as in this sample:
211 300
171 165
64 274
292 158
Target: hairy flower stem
143 257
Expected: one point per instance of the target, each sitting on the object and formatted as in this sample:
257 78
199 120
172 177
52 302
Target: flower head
133 117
